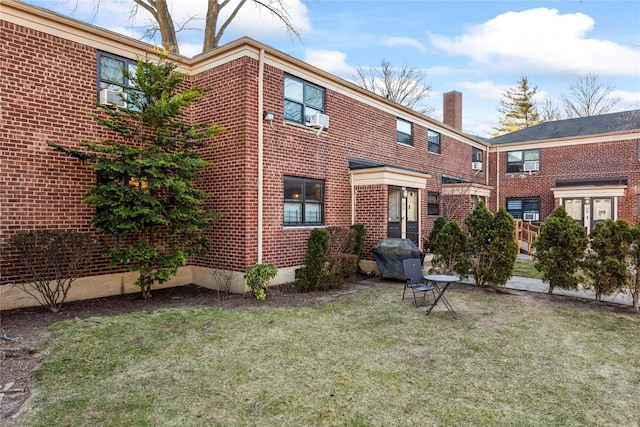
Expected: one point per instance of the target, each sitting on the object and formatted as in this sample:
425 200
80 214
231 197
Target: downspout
260 152
353 200
497 178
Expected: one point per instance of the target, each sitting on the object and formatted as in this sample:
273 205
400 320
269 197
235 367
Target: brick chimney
452 109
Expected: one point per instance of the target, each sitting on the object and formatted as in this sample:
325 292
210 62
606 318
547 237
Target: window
301 100
434 142
476 155
113 85
303 201
433 203
404 132
527 209
523 161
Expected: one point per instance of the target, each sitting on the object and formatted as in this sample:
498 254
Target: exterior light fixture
267 115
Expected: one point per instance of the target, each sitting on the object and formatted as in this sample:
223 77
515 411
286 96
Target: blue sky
479 48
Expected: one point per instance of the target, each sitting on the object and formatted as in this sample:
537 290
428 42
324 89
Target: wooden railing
525 233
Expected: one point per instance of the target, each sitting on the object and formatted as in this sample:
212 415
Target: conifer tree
559 249
634 264
518 108
449 247
493 246
605 265
145 198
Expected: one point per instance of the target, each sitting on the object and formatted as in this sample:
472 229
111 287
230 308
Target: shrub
223 280
340 268
604 264
449 248
359 236
258 278
53 259
314 260
634 266
494 250
437 226
559 250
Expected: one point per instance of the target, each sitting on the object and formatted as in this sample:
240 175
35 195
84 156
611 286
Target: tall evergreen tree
605 265
559 249
493 245
518 108
146 200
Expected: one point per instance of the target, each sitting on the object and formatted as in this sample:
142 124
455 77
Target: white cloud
332 61
541 39
403 41
485 89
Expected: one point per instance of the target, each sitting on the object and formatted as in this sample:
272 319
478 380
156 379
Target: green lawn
526 268
367 360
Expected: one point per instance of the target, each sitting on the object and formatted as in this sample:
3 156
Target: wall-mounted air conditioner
476 166
109 96
531 216
531 166
319 120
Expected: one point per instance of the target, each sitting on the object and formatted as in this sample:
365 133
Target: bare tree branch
588 96
405 85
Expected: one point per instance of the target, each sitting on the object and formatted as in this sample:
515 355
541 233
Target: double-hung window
302 100
527 209
523 161
303 201
434 142
113 85
476 158
433 203
404 132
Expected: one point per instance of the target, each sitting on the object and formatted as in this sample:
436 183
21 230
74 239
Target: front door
403 216
589 211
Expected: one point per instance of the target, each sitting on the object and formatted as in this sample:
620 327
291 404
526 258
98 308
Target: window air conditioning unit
476 166
530 216
319 121
108 96
531 166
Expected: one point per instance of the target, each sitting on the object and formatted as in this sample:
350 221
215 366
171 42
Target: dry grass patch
367 360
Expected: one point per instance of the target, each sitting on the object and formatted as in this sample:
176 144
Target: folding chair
414 280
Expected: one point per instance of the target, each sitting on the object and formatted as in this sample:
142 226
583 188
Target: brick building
302 149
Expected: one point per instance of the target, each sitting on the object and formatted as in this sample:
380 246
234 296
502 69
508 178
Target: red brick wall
356 130
598 160
48 88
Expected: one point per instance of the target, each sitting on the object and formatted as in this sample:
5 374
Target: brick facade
49 88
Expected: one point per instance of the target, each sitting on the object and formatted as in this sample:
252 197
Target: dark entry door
395 213
412 215
403 214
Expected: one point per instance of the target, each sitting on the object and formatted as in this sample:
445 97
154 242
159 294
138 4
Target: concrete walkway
537 285
530 285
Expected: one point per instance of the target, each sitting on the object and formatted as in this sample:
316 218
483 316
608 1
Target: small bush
222 279
53 259
359 235
340 269
311 274
438 224
258 278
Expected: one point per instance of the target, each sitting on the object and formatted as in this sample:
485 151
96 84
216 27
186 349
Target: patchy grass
367 360
526 268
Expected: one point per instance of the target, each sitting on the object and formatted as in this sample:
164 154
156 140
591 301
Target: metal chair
414 280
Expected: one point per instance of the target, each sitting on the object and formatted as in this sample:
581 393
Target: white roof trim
589 191
385 175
